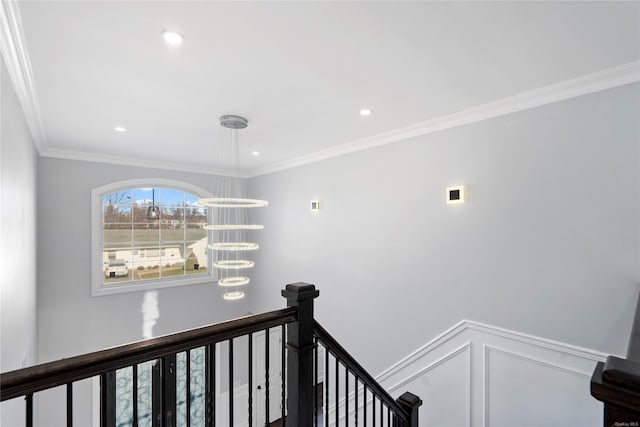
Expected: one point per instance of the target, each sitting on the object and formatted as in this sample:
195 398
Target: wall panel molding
540 361
478 341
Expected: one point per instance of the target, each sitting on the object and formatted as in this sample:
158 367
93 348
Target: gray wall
72 322
18 165
547 244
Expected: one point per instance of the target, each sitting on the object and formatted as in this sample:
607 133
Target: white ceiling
299 71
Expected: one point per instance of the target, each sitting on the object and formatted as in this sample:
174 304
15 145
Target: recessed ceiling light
172 37
255 153
365 112
120 129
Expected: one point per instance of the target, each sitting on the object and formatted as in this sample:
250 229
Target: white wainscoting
480 375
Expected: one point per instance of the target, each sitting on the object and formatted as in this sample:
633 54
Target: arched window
148 234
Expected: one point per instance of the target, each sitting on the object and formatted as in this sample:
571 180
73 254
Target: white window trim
97 287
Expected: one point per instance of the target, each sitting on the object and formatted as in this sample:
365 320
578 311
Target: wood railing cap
300 291
410 400
622 372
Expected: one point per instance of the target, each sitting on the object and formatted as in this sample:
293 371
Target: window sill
126 287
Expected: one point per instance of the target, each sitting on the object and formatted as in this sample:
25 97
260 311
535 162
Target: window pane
191 200
147 268
116 214
138 248
145 196
172 252
172 225
171 197
172 237
146 232
196 259
118 198
115 263
140 215
196 234
172 215
172 260
117 233
195 217
113 251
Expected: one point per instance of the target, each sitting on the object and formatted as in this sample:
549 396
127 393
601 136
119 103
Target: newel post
410 403
300 345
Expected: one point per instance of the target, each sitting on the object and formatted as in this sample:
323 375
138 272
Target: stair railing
616 383
308 340
302 341
348 375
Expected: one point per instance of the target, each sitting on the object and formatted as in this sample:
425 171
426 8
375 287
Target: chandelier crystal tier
230 226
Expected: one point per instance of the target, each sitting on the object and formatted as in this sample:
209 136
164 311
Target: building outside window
135 250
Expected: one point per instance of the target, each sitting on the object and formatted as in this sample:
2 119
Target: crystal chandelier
231 204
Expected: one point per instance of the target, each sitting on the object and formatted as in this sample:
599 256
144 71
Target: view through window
140 245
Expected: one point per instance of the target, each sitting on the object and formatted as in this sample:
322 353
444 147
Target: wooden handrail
346 359
633 348
47 375
616 382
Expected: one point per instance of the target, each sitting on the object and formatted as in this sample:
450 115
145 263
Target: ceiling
301 71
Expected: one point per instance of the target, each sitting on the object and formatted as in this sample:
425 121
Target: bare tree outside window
136 248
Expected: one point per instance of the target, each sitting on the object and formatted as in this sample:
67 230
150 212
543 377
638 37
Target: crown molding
16 58
583 85
140 163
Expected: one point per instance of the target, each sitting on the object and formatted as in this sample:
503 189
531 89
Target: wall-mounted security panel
315 205
455 194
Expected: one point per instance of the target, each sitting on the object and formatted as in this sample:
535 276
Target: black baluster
69 404
250 379
337 393
188 386
283 375
388 417
346 394
355 386
29 409
364 402
266 375
210 367
134 376
156 395
108 399
326 392
169 390
231 382
373 408
381 414
315 382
